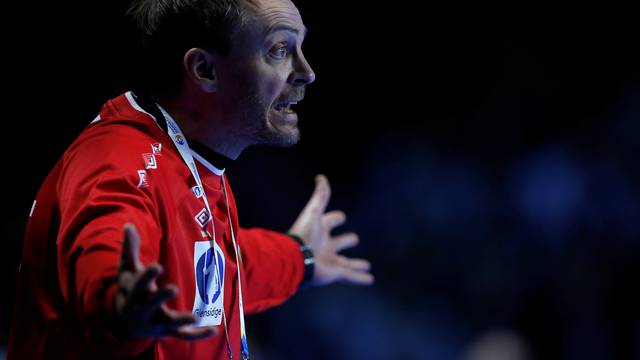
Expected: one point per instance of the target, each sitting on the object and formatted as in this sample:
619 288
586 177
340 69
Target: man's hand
314 227
140 303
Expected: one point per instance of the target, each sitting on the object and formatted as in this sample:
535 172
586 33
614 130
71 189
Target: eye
279 51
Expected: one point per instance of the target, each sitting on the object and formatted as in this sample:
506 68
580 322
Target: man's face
265 74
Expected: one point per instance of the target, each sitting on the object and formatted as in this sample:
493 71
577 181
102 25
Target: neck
200 121
216 159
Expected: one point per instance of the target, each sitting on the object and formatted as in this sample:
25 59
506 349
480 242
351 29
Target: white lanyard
180 142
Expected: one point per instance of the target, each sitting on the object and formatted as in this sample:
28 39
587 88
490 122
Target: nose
302 72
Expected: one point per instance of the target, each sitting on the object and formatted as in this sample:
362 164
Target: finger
158 298
334 219
358 278
320 197
345 241
355 271
175 319
195 333
359 265
180 324
129 258
126 281
143 283
354 264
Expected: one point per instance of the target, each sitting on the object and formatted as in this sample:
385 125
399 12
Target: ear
199 67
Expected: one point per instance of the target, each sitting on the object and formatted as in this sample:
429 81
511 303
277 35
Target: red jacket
114 173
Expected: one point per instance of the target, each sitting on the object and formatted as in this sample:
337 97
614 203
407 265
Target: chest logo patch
149 161
197 191
142 179
203 218
156 148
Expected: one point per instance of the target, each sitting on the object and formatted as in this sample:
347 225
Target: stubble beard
261 130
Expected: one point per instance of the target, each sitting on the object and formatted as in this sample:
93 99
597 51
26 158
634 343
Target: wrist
308 259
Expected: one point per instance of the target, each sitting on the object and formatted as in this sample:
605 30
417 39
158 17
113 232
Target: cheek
271 89
259 81
272 82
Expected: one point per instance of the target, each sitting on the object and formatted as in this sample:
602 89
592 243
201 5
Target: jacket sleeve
274 268
98 193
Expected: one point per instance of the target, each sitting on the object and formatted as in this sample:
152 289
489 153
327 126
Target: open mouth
285 107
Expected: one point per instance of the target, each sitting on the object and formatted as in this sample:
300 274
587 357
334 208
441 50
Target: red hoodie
124 168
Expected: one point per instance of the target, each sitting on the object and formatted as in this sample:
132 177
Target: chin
284 139
279 134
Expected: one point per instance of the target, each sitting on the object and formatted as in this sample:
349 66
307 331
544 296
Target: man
179 280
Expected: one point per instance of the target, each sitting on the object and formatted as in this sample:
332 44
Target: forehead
271 15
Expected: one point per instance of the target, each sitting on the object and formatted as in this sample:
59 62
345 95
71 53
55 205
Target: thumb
130 257
320 197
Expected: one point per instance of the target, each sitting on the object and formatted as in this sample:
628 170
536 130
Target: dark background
486 152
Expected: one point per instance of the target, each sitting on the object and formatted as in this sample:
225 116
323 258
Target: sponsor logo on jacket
203 218
156 148
149 161
208 263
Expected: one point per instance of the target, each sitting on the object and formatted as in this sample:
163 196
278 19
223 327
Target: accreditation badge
208 266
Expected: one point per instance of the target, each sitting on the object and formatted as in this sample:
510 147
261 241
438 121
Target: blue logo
196 191
179 139
205 270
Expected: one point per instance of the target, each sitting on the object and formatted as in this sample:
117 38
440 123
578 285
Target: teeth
285 106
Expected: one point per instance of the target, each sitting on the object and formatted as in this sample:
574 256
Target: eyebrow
283 27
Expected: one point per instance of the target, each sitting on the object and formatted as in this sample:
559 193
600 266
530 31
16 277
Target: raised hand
314 226
141 305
